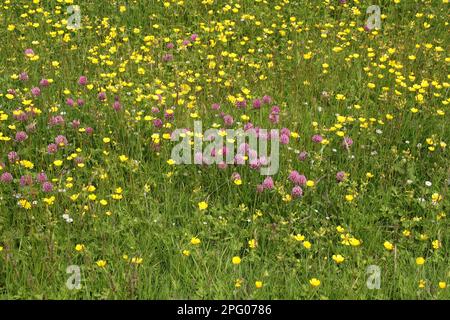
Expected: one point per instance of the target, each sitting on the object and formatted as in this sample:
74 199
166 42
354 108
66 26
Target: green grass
269 53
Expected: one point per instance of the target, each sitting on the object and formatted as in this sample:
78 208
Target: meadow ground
92 206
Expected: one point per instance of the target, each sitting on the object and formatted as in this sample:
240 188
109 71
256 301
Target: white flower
67 218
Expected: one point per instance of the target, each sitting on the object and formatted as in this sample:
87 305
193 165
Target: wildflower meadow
224 149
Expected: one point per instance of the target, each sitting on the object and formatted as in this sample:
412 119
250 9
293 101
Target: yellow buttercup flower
388 246
137 260
436 197
25 204
422 283
202 205
252 244
49 201
420 261
349 198
314 282
354 242
101 263
307 244
236 260
299 237
338 258
436 244
340 229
